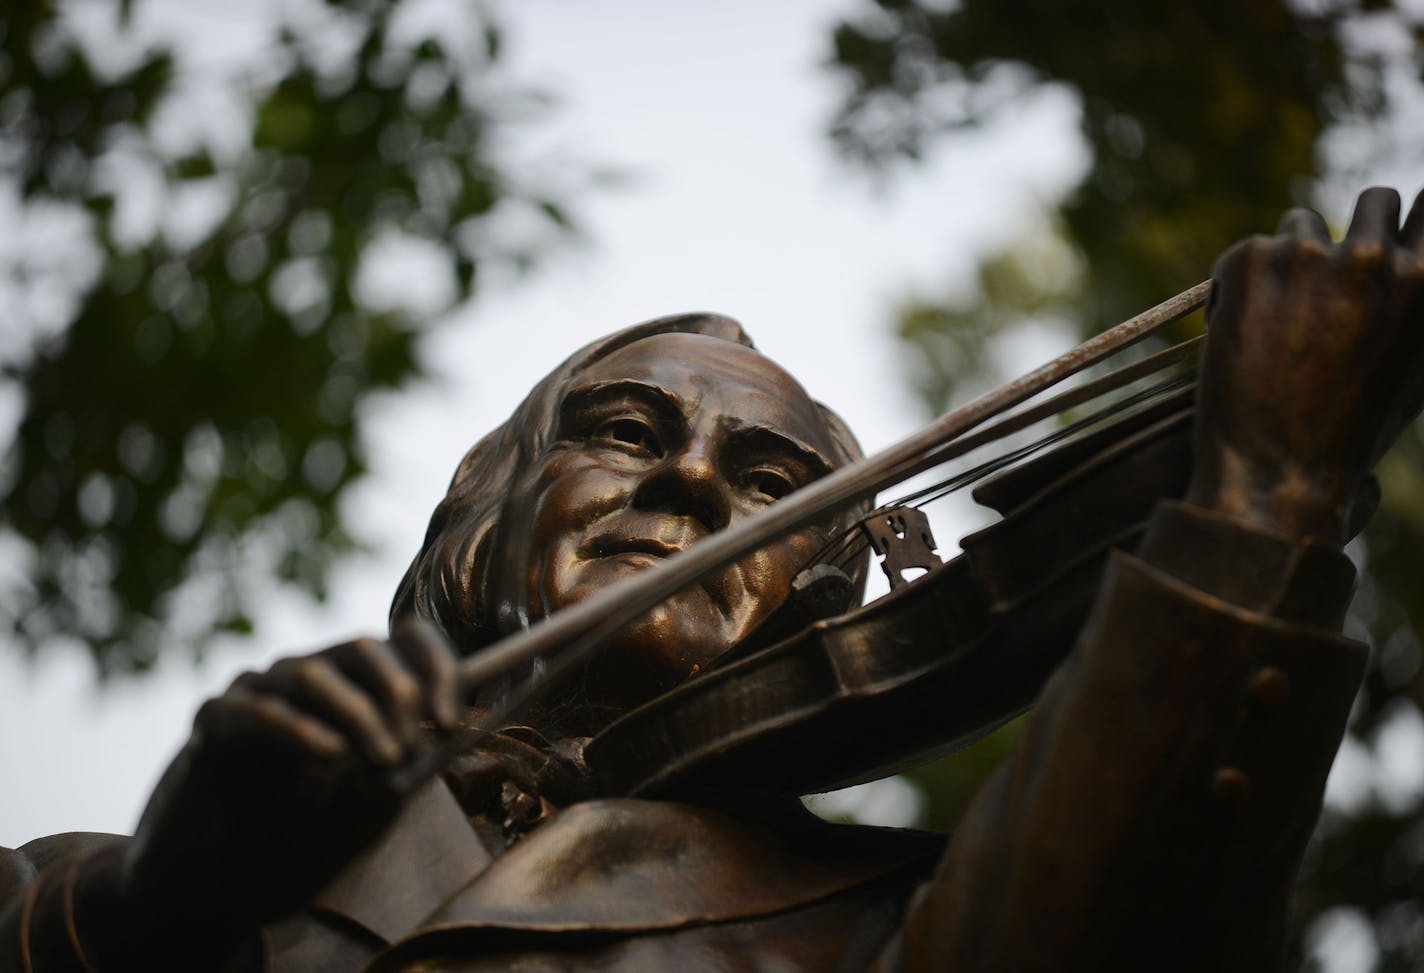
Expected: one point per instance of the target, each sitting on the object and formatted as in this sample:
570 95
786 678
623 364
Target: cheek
764 579
569 494
571 491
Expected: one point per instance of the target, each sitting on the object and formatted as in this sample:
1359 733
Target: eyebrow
672 406
665 402
770 437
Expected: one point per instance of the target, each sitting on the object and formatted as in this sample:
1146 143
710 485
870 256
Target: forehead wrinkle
800 420
720 387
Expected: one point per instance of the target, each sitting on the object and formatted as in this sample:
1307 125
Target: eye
631 433
769 483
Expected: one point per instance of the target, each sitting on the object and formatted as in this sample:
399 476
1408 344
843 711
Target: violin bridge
902 539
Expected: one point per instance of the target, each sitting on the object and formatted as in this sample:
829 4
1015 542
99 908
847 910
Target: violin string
1053 406
843 550
849 546
949 485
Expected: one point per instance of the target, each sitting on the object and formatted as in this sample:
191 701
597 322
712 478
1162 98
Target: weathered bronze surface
1154 815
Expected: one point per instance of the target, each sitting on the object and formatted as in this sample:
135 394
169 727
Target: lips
655 537
613 546
640 541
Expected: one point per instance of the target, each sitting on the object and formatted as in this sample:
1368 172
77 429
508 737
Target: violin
819 697
932 666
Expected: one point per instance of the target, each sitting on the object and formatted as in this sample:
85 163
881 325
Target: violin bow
569 636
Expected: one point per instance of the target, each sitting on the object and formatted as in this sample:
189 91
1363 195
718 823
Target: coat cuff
1301 582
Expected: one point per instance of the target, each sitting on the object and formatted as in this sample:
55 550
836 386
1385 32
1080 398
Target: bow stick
573 634
620 604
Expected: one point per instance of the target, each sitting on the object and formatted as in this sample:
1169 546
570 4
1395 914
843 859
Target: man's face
655 447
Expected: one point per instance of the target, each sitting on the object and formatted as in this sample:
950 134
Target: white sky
736 205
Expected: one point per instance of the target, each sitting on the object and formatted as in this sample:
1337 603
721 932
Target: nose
687 483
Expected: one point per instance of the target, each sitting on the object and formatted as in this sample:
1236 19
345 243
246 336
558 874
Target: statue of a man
1153 816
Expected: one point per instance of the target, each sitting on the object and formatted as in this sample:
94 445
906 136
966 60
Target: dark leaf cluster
198 418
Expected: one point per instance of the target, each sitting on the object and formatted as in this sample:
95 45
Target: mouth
645 543
650 546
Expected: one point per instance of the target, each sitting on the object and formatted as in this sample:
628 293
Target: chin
649 657
664 647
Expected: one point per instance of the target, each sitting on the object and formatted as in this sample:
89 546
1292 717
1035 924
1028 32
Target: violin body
930 667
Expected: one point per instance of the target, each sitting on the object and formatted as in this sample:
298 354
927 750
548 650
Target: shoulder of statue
19 867
41 852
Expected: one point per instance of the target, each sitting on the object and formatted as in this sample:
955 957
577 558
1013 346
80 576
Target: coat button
1269 687
1230 786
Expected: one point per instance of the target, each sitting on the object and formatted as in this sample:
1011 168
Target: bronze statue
1171 770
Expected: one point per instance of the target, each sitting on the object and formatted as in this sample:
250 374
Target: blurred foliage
195 295
1204 120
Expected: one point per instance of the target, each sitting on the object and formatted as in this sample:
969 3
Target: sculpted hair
452 581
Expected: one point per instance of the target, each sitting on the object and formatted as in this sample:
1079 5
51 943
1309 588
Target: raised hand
287 775
1314 364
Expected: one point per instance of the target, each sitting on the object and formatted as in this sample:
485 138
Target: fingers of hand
378 669
243 713
1305 224
341 687
427 652
366 695
1412 235
1375 239
1376 219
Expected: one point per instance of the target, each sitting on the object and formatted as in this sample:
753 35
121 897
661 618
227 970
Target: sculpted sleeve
38 889
1168 779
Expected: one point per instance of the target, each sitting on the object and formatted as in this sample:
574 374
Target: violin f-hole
902 539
